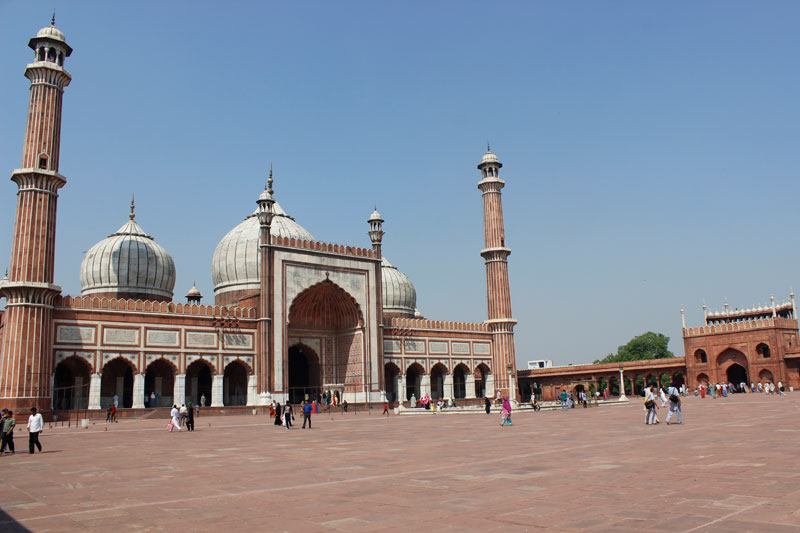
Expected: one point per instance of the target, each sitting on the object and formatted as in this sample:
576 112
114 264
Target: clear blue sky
651 150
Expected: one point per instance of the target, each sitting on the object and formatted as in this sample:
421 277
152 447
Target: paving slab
730 466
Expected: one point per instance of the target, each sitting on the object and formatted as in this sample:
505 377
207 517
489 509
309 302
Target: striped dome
399 295
236 260
129 263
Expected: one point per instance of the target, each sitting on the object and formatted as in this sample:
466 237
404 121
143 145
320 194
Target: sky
650 150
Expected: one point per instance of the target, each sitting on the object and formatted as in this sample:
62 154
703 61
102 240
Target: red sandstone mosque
292 316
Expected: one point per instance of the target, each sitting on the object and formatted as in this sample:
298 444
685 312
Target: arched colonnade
459 383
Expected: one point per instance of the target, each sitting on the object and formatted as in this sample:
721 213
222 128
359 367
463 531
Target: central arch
159 379
324 306
71 384
117 380
198 382
234 384
305 374
737 374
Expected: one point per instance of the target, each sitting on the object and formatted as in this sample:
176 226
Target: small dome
194 292
399 295
128 264
489 157
375 215
235 265
51 32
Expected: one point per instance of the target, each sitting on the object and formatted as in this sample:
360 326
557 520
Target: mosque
292 317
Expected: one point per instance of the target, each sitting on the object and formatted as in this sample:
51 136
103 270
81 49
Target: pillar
401 388
470 385
448 386
489 380
622 386
138 391
252 390
424 386
179 390
94 391
216 390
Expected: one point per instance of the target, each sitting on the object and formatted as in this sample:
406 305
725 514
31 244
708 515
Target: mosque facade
293 317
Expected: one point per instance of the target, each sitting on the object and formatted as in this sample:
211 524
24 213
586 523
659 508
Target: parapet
149 306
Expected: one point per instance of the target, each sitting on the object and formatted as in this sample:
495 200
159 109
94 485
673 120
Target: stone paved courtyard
732 466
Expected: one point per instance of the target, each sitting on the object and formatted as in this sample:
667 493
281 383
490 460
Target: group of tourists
722 390
7 425
181 417
672 396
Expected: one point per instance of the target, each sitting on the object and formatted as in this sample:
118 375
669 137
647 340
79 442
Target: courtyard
730 467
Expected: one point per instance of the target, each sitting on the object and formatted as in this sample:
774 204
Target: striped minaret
498 294
26 355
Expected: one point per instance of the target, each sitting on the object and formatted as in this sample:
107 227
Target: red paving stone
730 467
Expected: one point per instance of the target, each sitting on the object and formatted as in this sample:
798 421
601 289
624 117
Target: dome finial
53 18
270 181
488 148
133 208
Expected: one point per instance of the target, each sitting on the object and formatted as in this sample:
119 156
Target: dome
51 32
235 265
399 295
194 292
489 157
375 216
128 264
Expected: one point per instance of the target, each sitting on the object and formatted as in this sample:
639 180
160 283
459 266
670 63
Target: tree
646 346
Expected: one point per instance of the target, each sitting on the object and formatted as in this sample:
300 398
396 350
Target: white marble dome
51 32
235 265
489 157
130 263
399 295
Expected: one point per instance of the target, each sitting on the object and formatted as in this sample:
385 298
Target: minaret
26 355
498 294
264 366
376 234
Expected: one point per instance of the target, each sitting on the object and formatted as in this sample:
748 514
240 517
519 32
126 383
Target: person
183 414
35 426
190 417
662 396
605 394
287 415
702 390
650 405
583 399
674 403
385 408
771 387
487 404
536 406
344 405
563 399
116 400
506 413
108 413
152 399
724 390
307 408
202 400
278 414
439 403
174 423
8 432
113 413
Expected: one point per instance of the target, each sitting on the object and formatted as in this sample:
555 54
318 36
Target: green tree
646 346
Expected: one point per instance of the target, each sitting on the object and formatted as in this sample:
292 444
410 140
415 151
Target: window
763 350
43 163
700 356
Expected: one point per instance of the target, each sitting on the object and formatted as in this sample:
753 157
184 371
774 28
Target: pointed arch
325 306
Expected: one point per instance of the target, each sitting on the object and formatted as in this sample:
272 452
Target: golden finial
133 207
53 19
270 181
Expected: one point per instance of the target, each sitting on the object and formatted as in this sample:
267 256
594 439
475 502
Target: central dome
235 266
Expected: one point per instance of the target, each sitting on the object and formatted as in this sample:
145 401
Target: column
448 387
138 391
401 388
622 396
424 386
216 390
470 384
252 390
179 390
94 391
489 379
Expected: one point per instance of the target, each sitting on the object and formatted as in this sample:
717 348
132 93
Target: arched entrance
460 381
414 381
305 377
390 373
765 376
702 379
198 383
481 375
438 372
737 374
71 384
677 378
160 380
234 384
117 380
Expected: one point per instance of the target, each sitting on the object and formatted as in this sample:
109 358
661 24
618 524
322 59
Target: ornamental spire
270 181
53 19
133 208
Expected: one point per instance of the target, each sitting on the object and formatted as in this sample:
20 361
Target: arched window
700 356
40 55
60 59
43 162
763 350
51 55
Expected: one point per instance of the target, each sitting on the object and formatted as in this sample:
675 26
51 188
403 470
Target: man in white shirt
674 403
35 426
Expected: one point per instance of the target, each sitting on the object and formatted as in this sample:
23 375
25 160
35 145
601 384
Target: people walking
287 415
190 417
278 415
8 432
184 412
35 426
174 422
487 404
674 404
650 405
662 396
152 399
307 408
506 413
385 408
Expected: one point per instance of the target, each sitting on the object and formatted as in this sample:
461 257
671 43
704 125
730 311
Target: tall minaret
498 293
26 355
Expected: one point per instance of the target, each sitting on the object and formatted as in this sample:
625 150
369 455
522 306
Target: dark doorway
71 384
198 383
390 374
413 382
234 384
460 382
437 381
304 374
737 374
160 380
117 380
481 374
